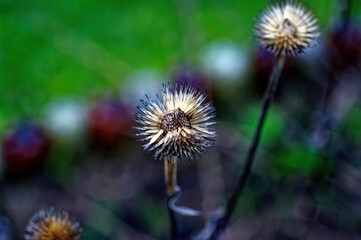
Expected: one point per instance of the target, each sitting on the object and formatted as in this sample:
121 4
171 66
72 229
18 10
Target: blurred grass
352 126
273 128
50 50
298 160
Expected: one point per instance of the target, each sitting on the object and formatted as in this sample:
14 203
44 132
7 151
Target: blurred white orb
66 118
225 62
140 82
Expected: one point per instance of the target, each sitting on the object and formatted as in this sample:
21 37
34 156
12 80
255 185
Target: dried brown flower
179 124
287 29
53 225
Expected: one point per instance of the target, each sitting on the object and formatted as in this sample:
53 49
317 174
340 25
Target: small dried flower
287 29
53 225
179 124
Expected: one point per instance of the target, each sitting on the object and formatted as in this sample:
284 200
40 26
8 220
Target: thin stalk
170 172
268 98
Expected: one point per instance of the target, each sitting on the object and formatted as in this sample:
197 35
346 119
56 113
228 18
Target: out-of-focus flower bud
25 148
109 120
192 76
344 47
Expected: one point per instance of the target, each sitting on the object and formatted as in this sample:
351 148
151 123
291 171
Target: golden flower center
56 230
287 28
174 120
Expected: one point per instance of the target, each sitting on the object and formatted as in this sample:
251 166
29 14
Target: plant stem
223 221
170 172
173 221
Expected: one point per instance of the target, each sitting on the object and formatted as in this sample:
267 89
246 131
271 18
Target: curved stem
274 79
170 172
223 220
173 221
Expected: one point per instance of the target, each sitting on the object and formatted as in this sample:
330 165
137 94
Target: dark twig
213 230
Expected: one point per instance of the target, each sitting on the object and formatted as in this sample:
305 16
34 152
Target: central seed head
288 28
174 120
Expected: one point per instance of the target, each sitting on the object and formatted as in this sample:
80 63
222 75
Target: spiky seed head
287 29
49 224
179 123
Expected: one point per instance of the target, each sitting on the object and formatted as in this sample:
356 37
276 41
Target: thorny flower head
178 124
53 225
287 29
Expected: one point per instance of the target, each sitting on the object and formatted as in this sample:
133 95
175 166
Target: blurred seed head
191 75
109 121
179 123
344 47
287 29
25 148
49 224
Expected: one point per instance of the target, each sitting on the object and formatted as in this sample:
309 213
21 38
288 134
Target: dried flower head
179 124
287 29
53 225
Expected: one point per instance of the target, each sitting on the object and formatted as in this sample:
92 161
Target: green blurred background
51 50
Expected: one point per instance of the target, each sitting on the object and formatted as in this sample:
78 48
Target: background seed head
287 29
48 224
